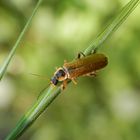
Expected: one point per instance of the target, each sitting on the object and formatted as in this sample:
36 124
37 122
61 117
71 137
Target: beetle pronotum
85 66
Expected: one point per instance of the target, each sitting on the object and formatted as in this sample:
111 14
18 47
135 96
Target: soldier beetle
85 66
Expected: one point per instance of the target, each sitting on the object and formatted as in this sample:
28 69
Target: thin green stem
48 95
120 18
16 45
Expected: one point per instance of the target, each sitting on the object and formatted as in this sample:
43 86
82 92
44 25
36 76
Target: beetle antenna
40 76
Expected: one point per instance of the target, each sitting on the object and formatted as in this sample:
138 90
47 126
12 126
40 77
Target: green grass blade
120 18
40 105
48 95
12 52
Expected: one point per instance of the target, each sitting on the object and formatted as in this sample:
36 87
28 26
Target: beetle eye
54 80
60 73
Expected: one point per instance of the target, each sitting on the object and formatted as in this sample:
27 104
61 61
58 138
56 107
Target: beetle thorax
61 74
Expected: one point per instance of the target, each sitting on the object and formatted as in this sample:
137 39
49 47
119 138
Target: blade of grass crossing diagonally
35 111
48 95
121 17
4 66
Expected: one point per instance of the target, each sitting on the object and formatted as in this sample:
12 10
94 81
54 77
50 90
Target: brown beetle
85 66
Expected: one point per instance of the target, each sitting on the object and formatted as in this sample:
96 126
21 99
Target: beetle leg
79 55
65 61
94 51
92 74
64 84
74 81
62 87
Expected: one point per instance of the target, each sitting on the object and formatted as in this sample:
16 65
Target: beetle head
54 81
59 75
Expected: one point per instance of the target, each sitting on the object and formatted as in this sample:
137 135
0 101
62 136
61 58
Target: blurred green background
103 108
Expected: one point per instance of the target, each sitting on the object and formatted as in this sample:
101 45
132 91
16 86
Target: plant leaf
120 18
40 105
7 61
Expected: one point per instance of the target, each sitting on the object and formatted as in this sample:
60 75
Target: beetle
85 66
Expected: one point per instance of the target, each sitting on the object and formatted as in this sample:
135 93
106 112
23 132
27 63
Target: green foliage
126 11
12 52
